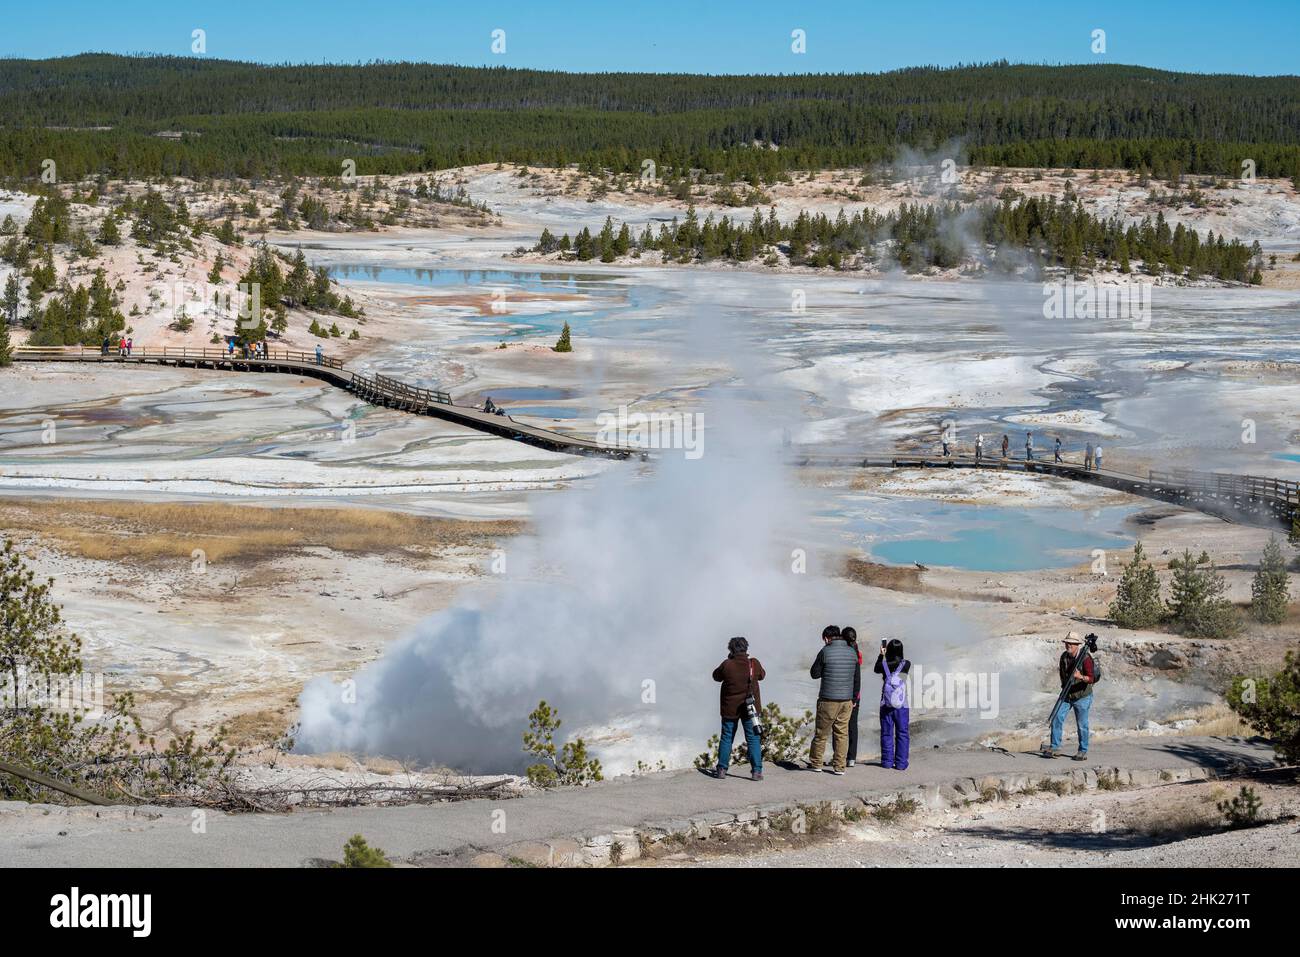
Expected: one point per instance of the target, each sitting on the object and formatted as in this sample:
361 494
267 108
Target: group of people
838 669
252 350
124 346
491 408
1091 458
249 350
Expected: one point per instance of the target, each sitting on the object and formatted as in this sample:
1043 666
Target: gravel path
1175 825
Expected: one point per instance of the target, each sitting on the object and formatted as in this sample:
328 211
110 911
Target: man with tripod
1078 674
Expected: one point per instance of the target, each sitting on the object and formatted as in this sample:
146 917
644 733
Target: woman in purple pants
893 667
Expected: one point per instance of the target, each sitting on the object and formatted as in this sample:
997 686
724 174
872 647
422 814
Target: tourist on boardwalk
740 675
943 437
1006 445
979 447
1096 458
121 346
1087 457
130 344
850 634
1077 683
1029 446
894 725
488 407
1056 451
834 667
108 344
319 354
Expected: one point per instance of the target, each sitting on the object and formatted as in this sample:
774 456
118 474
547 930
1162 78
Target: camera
751 712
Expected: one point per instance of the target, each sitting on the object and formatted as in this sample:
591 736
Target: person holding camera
740 704
895 731
1078 674
834 666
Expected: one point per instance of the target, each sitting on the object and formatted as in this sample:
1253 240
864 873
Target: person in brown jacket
740 675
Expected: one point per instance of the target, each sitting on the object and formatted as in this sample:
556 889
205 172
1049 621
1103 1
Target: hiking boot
719 773
1048 752
1081 756
756 775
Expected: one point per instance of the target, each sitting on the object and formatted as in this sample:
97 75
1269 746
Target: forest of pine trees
1003 235
249 120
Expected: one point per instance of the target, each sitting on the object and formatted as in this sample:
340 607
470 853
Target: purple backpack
893 694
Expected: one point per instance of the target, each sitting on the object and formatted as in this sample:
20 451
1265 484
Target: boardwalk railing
1239 498
401 393
1229 493
374 387
1245 499
173 353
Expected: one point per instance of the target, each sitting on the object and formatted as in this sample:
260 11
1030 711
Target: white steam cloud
616 612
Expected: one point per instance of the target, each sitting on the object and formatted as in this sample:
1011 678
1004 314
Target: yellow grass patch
151 531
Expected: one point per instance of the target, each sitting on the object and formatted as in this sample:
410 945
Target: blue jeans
751 741
1081 709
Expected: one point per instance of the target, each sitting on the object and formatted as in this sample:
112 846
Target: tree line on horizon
250 120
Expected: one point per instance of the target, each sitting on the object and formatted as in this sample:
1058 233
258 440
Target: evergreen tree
1271 706
218 264
1137 601
6 350
564 345
226 234
1270 592
1197 604
11 298
109 234
298 285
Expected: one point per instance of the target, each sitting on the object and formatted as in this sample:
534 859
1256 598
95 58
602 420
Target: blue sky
707 36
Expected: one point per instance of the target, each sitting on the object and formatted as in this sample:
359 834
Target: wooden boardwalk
376 389
1245 499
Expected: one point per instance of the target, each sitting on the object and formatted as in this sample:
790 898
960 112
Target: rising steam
615 611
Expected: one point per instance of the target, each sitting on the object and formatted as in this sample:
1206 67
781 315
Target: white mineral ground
871 364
